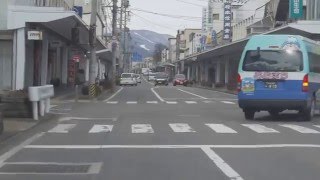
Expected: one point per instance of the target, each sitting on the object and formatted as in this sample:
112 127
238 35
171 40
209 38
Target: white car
128 79
151 76
138 78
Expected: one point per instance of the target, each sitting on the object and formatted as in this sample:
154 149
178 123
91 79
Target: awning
58 20
304 28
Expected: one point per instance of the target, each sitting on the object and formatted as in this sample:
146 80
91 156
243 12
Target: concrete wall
3 14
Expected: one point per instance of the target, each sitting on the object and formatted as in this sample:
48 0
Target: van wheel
307 114
249 114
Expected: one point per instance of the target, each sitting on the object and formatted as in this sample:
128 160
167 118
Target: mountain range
143 41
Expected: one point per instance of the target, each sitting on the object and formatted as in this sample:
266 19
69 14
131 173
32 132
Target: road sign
296 9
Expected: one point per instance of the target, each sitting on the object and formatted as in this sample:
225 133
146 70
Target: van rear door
277 73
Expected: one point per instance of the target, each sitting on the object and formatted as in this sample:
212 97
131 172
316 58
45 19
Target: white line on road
208 102
170 146
112 102
62 128
221 128
97 128
228 102
260 128
132 102
300 129
16 149
157 95
152 102
114 95
192 93
221 164
85 118
171 102
191 102
141 128
181 127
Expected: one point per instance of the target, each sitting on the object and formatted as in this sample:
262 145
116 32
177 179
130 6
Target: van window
314 62
273 60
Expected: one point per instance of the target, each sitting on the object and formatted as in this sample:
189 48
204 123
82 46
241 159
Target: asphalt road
164 133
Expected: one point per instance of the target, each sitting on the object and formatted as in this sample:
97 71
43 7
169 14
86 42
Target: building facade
43 42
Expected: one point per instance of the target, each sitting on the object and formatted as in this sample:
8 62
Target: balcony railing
42 3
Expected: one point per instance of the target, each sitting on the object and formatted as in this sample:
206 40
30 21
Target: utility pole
114 41
92 41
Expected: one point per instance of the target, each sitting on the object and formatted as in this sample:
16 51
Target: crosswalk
170 102
187 128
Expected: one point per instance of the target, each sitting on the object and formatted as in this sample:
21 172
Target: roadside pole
114 43
92 41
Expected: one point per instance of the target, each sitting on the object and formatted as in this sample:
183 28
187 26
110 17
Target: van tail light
305 83
239 83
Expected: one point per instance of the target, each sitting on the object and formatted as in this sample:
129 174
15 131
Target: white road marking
141 128
85 118
97 128
208 102
157 95
300 129
181 127
221 164
171 102
221 128
62 128
259 146
52 106
191 102
112 102
114 95
192 93
152 102
132 102
318 126
17 148
94 168
228 102
260 128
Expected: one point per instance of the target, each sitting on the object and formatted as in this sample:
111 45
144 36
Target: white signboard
34 35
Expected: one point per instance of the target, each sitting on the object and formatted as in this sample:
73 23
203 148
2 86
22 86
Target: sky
162 24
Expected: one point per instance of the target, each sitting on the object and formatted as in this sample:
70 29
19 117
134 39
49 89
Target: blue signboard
227 21
136 57
78 10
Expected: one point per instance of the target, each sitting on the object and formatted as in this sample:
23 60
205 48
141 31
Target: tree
157 52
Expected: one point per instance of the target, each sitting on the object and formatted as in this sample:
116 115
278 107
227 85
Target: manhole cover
26 168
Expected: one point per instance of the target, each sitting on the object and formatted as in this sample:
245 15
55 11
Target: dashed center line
228 102
132 102
171 102
152 102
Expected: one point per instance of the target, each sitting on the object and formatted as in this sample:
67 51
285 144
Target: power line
150 22
167 15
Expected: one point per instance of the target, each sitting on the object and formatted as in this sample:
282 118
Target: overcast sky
161 24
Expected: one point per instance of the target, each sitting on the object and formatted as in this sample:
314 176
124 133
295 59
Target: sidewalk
14 126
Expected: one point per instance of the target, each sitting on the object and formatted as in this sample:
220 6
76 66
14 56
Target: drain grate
47 168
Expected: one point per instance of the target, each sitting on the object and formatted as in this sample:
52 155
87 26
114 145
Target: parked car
128 79
138 78
180 79
151 76
161 78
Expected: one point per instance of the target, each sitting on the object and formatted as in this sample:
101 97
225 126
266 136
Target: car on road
161 79
180 79
128 79
138 78
277 73
151 76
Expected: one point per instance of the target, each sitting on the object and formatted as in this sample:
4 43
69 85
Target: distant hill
143 41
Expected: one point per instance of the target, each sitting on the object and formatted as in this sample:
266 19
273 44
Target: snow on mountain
143 41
